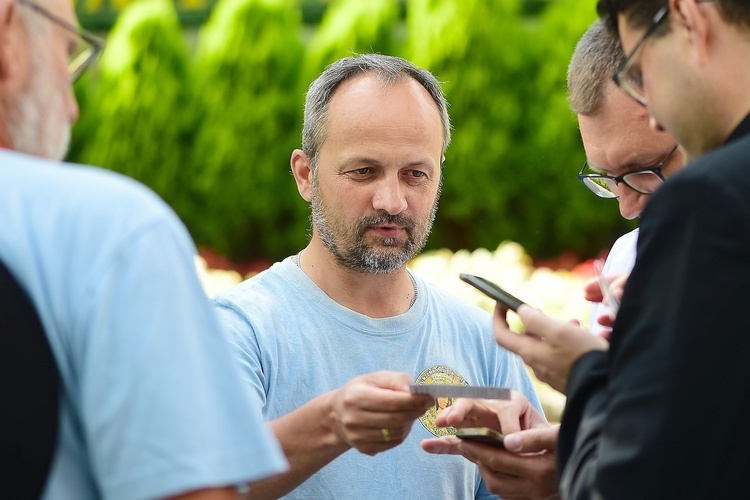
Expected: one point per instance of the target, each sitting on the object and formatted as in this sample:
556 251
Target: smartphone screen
492 290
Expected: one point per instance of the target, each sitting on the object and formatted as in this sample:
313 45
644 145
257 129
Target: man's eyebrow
359 160
366 160
420 163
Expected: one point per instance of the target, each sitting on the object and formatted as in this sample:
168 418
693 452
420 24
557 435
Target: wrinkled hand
549 347
367 404
527 468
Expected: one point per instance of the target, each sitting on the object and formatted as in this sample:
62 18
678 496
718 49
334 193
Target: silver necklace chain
414 284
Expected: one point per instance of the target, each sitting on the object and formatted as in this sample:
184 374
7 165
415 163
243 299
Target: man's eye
635 77
359 172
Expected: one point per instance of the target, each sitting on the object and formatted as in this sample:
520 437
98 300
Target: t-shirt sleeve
245 349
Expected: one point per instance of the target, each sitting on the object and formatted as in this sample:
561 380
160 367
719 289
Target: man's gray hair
389 70
597 56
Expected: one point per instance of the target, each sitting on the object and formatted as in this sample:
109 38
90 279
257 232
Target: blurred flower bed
559 293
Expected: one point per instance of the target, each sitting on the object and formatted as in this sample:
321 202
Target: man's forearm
309 442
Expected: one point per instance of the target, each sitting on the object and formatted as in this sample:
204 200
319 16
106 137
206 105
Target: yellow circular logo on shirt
439 374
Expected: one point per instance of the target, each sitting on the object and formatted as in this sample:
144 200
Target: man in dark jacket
663 413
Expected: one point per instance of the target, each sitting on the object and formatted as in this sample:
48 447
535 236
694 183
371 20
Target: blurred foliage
505 80
249 113
351 27
212 129
137 118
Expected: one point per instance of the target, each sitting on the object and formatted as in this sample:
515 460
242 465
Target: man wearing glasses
625 161
151 403
664 413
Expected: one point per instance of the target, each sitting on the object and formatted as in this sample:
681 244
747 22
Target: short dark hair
640 13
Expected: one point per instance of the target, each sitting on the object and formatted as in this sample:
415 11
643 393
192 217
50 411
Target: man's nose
389 196
631 201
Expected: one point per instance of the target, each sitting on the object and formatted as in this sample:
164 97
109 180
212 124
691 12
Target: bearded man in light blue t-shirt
331 338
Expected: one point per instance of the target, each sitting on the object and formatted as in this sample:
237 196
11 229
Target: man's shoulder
263 291
720 179
627 238
84 193
622 254
730 162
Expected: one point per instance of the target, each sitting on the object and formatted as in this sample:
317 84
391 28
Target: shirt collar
742 130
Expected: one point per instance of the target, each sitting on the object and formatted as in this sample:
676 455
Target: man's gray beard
362 257
36 124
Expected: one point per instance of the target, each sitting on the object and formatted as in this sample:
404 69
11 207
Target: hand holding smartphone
609 297
493 291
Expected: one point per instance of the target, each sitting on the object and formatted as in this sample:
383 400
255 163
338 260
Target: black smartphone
493 291
483 435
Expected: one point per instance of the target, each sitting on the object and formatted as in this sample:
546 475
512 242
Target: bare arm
227 493
352 416
309 443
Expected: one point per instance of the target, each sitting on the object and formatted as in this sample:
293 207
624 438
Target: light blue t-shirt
152 401
296 343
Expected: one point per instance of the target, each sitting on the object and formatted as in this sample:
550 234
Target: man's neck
730 79
373 295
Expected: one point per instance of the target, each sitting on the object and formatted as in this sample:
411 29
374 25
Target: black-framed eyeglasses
644 180
629 80
89 46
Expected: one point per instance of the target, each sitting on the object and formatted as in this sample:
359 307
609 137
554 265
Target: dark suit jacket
665 414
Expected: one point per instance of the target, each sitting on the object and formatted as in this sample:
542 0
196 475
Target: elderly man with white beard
150 401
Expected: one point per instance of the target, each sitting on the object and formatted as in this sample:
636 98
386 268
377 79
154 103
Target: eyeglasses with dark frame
631 81
89 46
644 180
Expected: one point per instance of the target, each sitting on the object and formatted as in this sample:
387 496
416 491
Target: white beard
37 125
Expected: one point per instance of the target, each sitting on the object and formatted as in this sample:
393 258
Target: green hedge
137 119
209 119
248 105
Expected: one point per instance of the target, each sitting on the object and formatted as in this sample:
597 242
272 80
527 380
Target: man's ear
302 171
692 17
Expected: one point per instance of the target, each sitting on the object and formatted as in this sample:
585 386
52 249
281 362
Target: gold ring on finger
386 434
